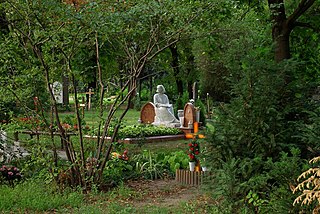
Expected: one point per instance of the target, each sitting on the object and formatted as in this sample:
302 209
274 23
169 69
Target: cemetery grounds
141 195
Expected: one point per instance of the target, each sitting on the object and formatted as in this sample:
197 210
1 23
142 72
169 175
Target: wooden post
83 106
36 101
89 99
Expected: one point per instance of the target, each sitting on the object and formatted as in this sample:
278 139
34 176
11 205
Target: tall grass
35 196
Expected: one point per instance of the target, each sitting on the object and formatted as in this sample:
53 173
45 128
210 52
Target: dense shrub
254 146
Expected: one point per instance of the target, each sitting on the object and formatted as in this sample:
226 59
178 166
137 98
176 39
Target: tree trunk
65 90
280 30
281 37
175 67
283 25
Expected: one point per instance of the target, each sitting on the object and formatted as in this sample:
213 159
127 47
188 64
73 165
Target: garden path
165 193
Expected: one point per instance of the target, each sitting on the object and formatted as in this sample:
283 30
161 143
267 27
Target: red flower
191 156
193 151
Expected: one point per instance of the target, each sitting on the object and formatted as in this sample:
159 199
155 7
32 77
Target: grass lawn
91 117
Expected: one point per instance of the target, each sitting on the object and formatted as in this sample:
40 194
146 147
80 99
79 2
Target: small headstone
147 113
189 114
57 92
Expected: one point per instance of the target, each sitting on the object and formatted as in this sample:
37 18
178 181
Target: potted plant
193 152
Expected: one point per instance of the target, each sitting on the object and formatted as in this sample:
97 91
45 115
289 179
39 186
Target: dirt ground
166 193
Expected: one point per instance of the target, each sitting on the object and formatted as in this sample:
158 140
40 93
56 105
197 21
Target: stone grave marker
189 114
57 92
147 113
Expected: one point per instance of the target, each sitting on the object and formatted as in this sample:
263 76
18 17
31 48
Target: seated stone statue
163 110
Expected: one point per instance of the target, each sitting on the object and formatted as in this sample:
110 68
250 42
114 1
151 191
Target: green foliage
262 183
141 131
203 111
137 103
308 132
150 165
181 102
253 198
118 170
176 160
39 165
36 196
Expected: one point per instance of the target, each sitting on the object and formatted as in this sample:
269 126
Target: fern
310 187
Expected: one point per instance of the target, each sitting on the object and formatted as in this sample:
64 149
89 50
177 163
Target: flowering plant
10 173
194 151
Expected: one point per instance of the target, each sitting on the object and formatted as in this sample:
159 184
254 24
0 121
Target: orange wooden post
195 127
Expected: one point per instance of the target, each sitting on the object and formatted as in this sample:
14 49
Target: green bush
118 170
176 160
258 184
150 165
136 131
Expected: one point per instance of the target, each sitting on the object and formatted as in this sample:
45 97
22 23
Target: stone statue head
160 89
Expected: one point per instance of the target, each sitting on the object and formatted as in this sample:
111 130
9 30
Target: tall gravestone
57 92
